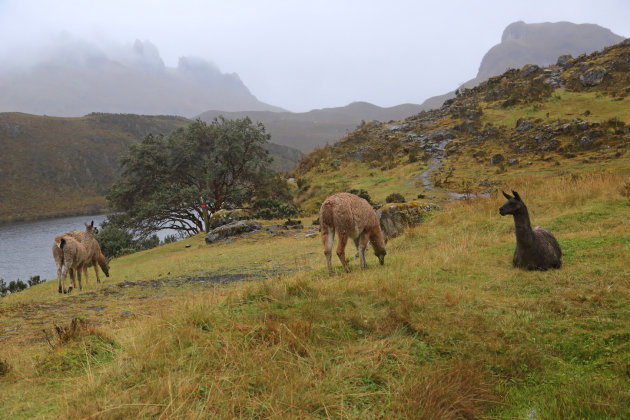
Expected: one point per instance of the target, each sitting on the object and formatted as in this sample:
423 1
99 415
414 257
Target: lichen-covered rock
395 217
529 69
593 77
564 60
224 217
232 229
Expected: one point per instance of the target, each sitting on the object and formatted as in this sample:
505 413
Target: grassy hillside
536 119
53 166
447 328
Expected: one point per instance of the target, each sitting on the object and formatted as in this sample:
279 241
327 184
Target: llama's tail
326 214
62 243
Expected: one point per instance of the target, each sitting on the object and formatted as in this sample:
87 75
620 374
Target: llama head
513 205
105 266
90 229
381 256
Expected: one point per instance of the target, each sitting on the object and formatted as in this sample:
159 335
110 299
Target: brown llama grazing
97 260
536 249
75 255
351 217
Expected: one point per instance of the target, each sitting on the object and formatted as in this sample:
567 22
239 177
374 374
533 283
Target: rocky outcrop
232 229
395 217
593 77
224 217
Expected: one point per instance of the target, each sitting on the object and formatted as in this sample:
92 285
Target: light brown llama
351 217
97 258
75 256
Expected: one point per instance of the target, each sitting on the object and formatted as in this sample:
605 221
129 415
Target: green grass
447 328
563 105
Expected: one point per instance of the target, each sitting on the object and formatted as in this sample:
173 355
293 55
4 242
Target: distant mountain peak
75 78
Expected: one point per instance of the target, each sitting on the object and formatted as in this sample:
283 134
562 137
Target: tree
165 180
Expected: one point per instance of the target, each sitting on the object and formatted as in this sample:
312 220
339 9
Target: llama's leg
85 274
65 278
95 265
59 275
363 242
328 236
72 281
79 269
341 250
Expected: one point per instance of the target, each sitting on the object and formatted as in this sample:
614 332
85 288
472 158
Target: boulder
593 77
529 69
224 217
395 217
564 60
232 229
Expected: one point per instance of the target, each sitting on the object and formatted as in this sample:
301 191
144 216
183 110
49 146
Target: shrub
267 208
4 367
17 286
361 193
34 280
625 190
116 241
395 198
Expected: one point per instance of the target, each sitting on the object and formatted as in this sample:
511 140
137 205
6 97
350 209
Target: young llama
351 217
76 255
536 249
97 260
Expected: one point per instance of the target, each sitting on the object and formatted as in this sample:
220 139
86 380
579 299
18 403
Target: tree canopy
165 180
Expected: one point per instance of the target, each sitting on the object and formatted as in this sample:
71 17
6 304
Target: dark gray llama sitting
536 249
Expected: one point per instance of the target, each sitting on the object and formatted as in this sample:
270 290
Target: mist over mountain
74 78
307 130
535 43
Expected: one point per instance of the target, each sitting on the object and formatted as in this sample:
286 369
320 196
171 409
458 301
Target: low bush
395 198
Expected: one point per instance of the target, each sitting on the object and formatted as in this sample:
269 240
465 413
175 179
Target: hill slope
307 130
53 166
550 119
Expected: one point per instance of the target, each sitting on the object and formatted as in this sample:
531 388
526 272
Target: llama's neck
524 233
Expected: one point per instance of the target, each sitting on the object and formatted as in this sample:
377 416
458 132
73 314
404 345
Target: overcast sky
303 55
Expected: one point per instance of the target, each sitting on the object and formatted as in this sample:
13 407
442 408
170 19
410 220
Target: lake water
25 247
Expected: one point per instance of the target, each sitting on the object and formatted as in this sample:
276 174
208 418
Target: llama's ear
92 224
506 195
518 197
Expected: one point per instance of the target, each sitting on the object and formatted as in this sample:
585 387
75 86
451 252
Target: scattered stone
98 308
582 125
399 127
523 125
10 329
187 245
513 162
127 314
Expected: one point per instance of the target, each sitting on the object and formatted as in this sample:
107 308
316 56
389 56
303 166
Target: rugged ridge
535 43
